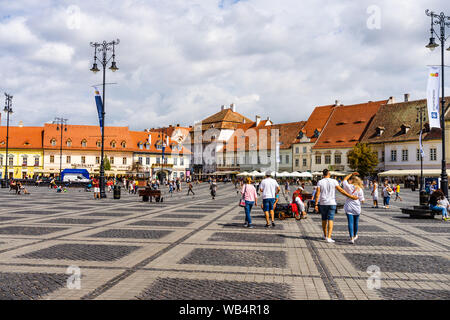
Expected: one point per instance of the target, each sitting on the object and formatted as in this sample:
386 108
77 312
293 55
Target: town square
199 151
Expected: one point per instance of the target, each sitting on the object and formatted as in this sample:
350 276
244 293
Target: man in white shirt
326 202
269 188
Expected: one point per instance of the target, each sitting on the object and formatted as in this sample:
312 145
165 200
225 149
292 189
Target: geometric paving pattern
26 286
86 252
400 263
28 231
246 237
130 233
242 258
161 223
414 294
381 241
187 289
72 221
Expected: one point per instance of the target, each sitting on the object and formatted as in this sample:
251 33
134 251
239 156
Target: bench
420 212
148 194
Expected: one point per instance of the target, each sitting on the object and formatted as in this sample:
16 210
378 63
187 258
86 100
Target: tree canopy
363 159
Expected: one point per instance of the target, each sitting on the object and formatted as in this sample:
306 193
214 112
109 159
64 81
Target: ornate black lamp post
421 112
104 47
442 21
62 126
8 110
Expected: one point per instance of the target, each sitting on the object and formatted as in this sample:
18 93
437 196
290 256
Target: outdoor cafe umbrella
243 174
305 175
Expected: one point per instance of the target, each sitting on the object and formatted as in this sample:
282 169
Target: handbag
242 201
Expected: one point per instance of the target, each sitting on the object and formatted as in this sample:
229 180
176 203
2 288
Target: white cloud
180 60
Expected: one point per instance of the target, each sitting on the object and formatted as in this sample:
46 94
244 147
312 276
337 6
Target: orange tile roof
142 137
347 124
21 137
224 119
317 120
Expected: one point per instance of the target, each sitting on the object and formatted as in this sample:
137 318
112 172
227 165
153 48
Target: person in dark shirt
433 202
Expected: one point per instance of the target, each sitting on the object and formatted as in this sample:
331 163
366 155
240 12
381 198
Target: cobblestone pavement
70 246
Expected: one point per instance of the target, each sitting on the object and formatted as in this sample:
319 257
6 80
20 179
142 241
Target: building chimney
391 100
258 120
178 124
337 103
222 107
407 97
233 107
20 123
150 139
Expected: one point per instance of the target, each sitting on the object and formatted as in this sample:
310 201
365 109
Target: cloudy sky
180 60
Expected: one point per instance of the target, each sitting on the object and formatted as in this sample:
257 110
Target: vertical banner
98 102
433 90
277 153
422 153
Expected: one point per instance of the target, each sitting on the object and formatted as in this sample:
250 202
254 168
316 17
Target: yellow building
25 152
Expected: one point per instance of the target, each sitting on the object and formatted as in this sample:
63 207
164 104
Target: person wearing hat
297 199
269 188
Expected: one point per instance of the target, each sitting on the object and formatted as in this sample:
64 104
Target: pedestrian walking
250 197
326 202
213 189
387 192
269 188
374 194
171 188
354 186
397 193
190 188
96 185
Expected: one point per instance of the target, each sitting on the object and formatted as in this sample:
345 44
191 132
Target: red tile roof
21 137
347 124
317 121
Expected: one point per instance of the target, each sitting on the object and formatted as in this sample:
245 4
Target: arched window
98 143
147 146
53 142
84 143
69 142
123 144
113 144
140 145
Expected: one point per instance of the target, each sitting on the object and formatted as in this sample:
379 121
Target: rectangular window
318 159
393 155
175 161
304 149
433 154
68 159
36 161
327 159
404 155
97 160
296 162
382 156
158 160
337 159
52 159
24 161
297 150
304 162
175 175
181 161
83 159
418 155
124 160
111 160
147 161
287 159
140 160
165 160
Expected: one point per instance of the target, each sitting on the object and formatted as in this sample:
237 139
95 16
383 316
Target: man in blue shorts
326 202
269 188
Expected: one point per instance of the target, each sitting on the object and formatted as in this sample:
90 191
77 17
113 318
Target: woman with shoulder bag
249 198
387 192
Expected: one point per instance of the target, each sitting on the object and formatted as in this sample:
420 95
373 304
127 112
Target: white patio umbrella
284 174
256 174
305 175
243 174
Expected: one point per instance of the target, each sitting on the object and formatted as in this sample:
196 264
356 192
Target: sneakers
251 227
268 226
273 224
356 238
329 240
246 225
352 241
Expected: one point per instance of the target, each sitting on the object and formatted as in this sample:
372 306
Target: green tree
363 159
106 164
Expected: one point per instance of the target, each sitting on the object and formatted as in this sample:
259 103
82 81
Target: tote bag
242 201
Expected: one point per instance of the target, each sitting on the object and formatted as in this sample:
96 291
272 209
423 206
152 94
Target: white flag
433 88
277 153
422 153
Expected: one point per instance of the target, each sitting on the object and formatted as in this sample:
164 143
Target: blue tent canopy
82 172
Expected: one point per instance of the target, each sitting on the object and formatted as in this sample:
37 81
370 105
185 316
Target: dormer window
316 133
147 146
358 121
141 145
98 144
405 128
340 123
69 143
113 144
84 143
300 135
53 142
380 131
124 144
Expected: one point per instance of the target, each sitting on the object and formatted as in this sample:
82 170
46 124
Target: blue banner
98 102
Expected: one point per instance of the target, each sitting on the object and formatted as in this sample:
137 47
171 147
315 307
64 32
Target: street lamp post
62 126
8 110
442 21
420 118
104 47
